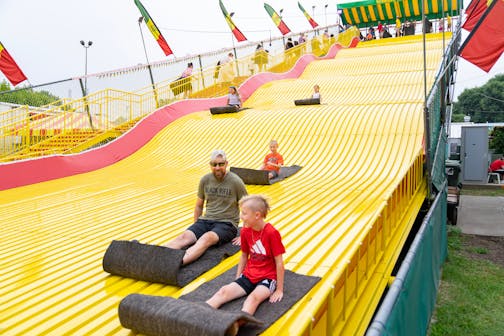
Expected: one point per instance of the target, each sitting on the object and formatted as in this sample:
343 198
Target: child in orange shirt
273 161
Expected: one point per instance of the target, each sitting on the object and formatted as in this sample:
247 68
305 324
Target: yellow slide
343 217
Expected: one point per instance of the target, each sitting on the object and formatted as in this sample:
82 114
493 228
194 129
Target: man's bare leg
187 238
202 244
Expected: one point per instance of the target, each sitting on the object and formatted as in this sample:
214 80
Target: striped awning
368 12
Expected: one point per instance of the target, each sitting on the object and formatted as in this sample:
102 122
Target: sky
44 36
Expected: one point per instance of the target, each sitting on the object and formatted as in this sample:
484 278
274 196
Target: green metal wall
411 299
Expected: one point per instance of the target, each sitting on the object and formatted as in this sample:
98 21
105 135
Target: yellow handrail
343 302
28 132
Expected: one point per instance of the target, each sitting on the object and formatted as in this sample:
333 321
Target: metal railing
29 132
440 96
346 301
421 266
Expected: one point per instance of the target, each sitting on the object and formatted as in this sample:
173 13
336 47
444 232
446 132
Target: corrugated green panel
419 288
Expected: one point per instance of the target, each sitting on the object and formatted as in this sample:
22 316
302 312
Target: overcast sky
43 36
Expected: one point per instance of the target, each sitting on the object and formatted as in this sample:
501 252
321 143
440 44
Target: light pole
313 15
338 19
85 89
86 46
280 15
325 13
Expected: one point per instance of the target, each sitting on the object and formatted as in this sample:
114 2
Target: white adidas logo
259 248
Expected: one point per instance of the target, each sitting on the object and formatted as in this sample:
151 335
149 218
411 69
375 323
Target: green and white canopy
368 12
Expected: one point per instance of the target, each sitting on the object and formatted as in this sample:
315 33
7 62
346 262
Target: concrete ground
481 215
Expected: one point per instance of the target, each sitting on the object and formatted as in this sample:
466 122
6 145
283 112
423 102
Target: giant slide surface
355 149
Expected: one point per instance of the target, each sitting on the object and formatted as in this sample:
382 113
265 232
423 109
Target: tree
483 104
497 140
457 118
26 96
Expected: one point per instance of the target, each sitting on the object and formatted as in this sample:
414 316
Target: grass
483 192
471 294
479 250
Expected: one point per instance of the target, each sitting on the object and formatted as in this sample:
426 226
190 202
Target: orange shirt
273 158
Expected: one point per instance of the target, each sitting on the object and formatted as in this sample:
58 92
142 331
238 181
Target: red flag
485 43
277 19
154 29
236 32
9 67
471 6
474 11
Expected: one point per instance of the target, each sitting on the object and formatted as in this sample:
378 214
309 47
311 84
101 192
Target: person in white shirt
233 98
227 72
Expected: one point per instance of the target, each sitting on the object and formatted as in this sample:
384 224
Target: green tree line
483 104
26 96
497 140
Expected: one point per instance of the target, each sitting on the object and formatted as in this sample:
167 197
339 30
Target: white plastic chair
496 175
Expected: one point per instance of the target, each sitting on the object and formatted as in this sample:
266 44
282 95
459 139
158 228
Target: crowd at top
404 28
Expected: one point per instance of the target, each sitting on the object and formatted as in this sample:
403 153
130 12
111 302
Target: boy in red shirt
260 272
273 161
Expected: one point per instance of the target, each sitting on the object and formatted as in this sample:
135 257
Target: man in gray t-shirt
221 190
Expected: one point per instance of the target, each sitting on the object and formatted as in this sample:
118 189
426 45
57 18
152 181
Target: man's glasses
215 164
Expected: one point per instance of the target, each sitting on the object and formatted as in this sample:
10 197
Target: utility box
474 153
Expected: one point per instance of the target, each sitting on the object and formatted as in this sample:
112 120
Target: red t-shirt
273 158
496 165
262 247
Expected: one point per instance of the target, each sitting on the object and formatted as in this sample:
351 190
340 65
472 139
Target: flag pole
140 19
427 130
234 49
443 16
235 56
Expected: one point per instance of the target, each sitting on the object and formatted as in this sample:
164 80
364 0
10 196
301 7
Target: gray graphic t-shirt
222 197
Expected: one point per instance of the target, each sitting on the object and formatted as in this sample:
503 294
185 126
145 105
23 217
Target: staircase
74 141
